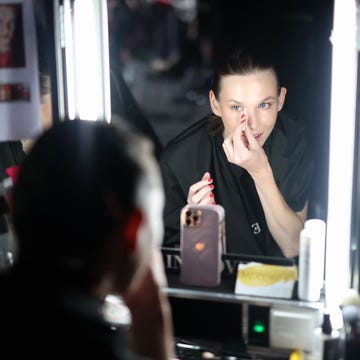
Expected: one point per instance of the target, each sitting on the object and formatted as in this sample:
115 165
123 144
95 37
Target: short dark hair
59 200
241 61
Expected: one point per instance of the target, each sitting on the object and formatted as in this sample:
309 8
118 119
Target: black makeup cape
199 149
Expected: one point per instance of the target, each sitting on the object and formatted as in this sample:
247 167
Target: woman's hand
201 193
242 149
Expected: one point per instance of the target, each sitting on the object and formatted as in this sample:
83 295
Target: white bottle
311 260
317 230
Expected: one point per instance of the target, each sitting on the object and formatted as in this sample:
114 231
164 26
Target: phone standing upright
202 242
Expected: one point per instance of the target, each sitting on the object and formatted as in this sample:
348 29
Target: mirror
165 55
164 89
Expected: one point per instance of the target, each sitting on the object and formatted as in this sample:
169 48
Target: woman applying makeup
247 157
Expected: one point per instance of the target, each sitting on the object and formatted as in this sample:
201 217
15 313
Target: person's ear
130 229
214 103
46 111
282 96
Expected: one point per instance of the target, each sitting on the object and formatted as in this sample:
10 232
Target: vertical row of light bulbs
341 151
83 79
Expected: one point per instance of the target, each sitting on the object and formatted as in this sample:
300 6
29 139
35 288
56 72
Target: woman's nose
251 120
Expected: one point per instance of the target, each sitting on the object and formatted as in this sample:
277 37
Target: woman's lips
257 136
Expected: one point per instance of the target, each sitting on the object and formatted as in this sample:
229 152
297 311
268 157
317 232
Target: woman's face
7 27
255 95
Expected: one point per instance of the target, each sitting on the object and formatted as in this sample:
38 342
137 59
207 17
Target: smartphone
202 242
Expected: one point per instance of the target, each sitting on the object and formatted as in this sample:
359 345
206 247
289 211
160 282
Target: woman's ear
282 96
126 224
214 103
130 229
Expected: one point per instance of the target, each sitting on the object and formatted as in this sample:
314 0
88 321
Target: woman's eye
236 107
264 105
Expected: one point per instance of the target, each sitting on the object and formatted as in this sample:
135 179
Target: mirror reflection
162 61
270 176
245 157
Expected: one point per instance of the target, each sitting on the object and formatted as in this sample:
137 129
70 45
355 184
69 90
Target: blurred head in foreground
87 207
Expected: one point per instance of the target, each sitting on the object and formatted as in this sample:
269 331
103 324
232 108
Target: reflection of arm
284 224
183 162
283 188
282 174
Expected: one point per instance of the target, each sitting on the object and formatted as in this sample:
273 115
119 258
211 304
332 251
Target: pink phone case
202 241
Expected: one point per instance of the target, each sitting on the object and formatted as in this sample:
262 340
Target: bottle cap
326 325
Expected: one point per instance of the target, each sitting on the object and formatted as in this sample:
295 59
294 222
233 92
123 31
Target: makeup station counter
219 323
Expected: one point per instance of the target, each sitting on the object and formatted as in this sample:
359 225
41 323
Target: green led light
258 327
